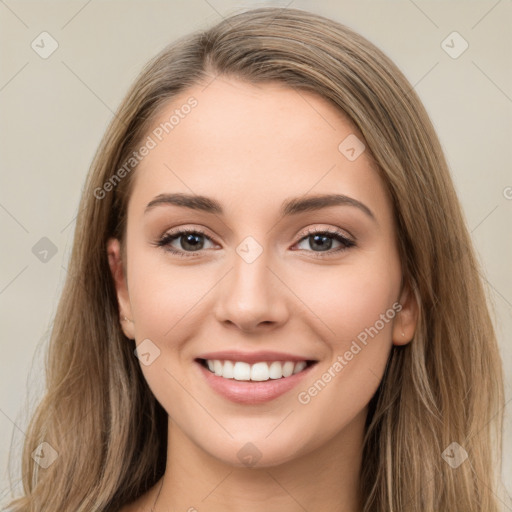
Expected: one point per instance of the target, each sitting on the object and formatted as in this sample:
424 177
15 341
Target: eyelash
167 238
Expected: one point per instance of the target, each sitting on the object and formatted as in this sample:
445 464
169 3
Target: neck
325 479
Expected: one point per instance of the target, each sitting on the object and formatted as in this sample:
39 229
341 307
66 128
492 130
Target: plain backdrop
54 111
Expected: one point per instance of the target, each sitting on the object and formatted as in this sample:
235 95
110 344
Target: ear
407 318
116 268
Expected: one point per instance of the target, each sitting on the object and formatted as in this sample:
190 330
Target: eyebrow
289 207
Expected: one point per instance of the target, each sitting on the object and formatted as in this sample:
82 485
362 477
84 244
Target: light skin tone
250 148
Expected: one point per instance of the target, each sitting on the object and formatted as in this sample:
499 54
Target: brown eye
190 240
323 241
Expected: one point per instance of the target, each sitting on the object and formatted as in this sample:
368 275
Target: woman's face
253 283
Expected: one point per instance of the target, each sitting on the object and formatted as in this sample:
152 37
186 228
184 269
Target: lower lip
252 392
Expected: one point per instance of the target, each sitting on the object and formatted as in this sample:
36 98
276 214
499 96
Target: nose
252 296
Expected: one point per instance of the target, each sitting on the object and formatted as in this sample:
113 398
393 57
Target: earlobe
116 268
407 318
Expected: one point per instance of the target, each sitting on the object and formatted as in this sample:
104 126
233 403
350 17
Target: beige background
55 110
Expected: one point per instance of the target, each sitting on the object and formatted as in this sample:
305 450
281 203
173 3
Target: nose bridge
251 294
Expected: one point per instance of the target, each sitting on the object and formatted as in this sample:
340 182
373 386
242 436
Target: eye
323 239
192 241
189 239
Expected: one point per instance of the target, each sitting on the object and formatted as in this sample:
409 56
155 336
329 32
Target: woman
270 369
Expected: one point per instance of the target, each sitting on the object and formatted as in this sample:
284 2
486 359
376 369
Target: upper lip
252 357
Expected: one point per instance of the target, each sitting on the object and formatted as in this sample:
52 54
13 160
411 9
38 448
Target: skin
251 147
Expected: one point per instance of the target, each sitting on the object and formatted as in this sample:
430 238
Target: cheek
162 294
349 300
162 298
360 307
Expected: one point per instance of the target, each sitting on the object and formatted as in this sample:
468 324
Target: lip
251 392
253 357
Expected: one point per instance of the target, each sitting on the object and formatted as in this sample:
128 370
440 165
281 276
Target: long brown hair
444 387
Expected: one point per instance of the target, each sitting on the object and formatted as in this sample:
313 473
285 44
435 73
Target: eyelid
347 242
176 233
307 231
330 230
335 233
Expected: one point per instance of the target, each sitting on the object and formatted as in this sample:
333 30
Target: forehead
263 142
253 117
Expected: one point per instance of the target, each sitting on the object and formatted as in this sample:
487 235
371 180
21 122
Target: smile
259 372
252 383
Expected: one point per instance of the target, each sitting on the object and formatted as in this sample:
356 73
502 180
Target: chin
256 451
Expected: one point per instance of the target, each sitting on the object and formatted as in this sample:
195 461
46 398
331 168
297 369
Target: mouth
253 383
260 371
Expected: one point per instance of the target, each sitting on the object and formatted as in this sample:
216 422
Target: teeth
288 368
275 370
299 367
261 371
228 370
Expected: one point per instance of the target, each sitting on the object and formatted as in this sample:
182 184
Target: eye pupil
321 246
191 240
